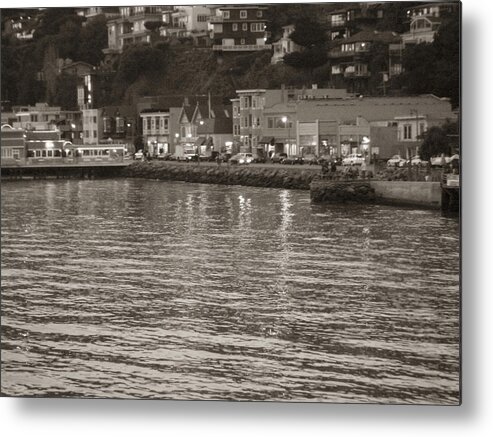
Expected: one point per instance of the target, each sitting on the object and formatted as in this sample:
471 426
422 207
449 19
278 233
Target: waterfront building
240 29
285 45
12 144
41 116
398 122
156 130
214 128
120 124
92 126
264 120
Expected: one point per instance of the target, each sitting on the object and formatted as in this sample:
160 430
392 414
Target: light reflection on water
147 289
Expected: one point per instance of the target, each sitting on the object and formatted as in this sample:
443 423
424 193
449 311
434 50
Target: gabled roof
433 20
372 36
216 126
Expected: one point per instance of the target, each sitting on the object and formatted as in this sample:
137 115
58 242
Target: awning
200 141
266 140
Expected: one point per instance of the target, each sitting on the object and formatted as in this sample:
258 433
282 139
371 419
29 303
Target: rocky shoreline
282 177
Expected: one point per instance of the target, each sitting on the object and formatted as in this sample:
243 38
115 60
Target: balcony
356 74
242 47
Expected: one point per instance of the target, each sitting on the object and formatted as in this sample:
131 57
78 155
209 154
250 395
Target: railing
242 47
356 74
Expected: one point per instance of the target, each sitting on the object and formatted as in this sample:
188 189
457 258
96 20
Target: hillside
199 71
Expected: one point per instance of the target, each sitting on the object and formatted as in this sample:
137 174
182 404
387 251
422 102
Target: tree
308 33
438 140
311 36
435 68
93 39
138 60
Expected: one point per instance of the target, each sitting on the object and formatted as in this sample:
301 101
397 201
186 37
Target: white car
353 159
139 155
242 158
396 161
439 161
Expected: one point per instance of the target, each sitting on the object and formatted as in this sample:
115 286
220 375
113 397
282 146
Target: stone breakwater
292 178
341 191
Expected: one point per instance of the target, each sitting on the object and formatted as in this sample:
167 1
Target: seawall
224 174
399 193
403 193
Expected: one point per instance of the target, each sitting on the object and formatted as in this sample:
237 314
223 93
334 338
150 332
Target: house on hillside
240 29
129 27
346 22
425 20
187 21
351 61
285 45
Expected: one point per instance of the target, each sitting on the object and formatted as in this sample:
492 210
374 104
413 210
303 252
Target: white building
285 45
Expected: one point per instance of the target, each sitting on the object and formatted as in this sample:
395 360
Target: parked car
139 155
259 159
278 157
310 159
164 156
353 159
396 161
242 158
417 161
439 161
291 160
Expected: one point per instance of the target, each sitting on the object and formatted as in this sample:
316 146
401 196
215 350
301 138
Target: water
162 290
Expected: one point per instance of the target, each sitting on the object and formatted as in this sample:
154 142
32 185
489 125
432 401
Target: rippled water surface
149 289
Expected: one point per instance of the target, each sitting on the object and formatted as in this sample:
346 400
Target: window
153 123
166 123
236 129
148 120
421 128
259 14
106 125
120 125
202 18
94 119
244 26
243 14
34 117
235 111
337 20
226 14
95 133
407 131
242 41
257 27
235 27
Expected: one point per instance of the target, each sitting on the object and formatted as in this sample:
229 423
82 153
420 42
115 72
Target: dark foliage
438 140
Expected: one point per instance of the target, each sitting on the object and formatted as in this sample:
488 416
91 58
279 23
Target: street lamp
285 121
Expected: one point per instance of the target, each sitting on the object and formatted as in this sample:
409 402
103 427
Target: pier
63 170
